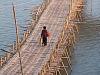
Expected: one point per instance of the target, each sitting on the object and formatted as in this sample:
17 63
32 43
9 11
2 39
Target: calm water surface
7 27
87 50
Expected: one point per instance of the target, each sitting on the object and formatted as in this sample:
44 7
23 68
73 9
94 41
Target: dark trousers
44 41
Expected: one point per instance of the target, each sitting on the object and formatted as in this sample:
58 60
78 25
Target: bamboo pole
65 68
1 61
17 38
59 72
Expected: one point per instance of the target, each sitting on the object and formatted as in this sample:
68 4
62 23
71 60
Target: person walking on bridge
44 35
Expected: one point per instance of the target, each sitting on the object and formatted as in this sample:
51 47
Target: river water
86 60
7 27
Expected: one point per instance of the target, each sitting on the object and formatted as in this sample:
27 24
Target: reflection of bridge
55 58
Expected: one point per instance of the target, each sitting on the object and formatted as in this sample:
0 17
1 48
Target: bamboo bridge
55 58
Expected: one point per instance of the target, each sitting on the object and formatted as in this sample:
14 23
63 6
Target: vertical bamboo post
5 58
17 38
69 59
1 60
56 72
64 68
59 72
71 5
13 47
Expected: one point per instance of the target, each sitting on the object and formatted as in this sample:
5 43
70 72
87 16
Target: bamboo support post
1 61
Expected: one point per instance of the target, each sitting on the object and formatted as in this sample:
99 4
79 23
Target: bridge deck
32 53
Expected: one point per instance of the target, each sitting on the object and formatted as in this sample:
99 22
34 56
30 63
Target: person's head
44 27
